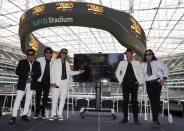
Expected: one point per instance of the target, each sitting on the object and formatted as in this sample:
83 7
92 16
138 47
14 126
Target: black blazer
22 71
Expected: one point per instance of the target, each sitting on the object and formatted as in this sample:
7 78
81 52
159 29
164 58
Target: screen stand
98 106
98 95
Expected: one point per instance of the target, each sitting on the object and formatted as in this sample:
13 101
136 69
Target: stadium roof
162 21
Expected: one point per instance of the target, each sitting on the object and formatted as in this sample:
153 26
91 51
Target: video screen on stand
98 67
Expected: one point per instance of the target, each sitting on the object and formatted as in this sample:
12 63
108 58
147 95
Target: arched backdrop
120 24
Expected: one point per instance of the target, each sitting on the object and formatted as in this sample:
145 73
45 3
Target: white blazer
56 71
158 67
121 70
42 65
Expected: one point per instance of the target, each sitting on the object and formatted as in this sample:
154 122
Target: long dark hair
61 51
153 58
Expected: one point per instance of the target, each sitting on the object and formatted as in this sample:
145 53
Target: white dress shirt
159 70
30 66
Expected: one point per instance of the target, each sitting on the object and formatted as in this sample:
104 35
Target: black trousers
130 87
42 88
154 90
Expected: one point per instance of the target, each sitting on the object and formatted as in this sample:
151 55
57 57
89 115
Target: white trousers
59 93
18 100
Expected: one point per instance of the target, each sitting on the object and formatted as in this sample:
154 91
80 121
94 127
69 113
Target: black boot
36 116
124 120
25 118
137 122
43 114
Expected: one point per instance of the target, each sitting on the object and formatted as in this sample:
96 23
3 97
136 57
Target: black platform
93 121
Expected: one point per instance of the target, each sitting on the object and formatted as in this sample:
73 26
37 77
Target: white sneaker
52 118
35 116
60 118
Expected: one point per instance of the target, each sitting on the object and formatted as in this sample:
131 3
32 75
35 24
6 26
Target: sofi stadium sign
51 20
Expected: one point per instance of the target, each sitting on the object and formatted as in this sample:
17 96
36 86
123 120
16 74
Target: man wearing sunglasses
59 78
43 83
28 71
155 75
130 77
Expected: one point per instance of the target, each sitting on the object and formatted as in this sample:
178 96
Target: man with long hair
155 75
59 78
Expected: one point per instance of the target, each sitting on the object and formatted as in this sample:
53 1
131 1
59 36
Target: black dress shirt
64 75
129 75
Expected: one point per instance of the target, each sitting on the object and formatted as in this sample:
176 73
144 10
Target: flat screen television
98 67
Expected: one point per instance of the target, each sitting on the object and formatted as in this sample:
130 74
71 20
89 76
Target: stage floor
93 121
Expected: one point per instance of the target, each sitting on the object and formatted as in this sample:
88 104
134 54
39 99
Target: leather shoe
25 118
12 120
158 123
155 124
123 121
137 122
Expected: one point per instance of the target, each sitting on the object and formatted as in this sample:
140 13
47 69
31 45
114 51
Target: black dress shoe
43 116
137 122
155 124
123 121
158 123
12 120
25 118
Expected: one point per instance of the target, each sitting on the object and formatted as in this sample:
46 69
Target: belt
155 80
130 81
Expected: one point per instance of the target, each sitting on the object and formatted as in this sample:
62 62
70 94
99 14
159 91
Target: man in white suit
60 74
129 75
43 83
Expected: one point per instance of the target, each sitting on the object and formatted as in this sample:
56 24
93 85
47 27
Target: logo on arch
95 9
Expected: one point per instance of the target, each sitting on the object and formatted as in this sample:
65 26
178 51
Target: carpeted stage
93 121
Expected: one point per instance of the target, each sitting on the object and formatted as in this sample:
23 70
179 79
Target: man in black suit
28 71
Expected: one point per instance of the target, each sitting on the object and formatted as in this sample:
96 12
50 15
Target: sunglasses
48 52
64 53
30 54
148 54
